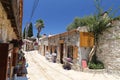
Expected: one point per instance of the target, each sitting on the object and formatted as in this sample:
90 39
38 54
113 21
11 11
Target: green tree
80 22
30 30
101 22
39 25
24 34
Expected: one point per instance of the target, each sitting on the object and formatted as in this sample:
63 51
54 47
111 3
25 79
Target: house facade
29 44
74 44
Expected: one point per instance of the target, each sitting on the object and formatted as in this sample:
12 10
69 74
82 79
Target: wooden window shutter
86 39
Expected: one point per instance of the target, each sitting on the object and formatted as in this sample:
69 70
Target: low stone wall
109 49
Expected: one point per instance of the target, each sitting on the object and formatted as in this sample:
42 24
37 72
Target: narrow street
41 69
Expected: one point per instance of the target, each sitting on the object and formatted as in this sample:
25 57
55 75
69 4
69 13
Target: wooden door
3 60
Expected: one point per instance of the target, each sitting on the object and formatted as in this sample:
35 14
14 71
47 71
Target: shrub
98 65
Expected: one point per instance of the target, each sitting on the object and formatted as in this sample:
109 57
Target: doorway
70 52
44 51
61 53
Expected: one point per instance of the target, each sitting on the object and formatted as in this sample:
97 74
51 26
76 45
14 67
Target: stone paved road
41 69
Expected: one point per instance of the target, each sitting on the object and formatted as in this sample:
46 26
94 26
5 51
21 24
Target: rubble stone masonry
109 48
6 30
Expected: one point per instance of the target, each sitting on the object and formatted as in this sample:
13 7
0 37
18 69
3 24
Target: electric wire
36 2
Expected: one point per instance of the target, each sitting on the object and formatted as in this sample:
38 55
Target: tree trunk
94 49
38 34
91 53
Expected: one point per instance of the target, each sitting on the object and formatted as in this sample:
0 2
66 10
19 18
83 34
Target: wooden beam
5 1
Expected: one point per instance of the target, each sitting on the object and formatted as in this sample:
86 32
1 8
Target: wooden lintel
61 41
6 2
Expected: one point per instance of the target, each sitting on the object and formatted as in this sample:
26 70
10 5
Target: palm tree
39 25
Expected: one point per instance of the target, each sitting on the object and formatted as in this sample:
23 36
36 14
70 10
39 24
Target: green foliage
117 18
101 21
24 34
98 6
80 22
95 64
30 30
39 25
71 27
98 65
100 24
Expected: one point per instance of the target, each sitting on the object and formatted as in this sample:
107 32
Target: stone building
10 29
28 45
43 45
74 44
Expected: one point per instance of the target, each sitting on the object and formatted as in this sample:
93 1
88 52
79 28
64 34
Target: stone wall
109 48
6 30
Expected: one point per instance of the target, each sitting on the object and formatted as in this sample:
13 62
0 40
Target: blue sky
58 14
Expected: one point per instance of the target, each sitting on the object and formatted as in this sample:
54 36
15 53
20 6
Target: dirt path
41 69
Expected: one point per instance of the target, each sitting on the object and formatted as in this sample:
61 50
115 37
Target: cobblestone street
41 69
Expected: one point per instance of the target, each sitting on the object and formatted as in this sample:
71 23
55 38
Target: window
70 52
